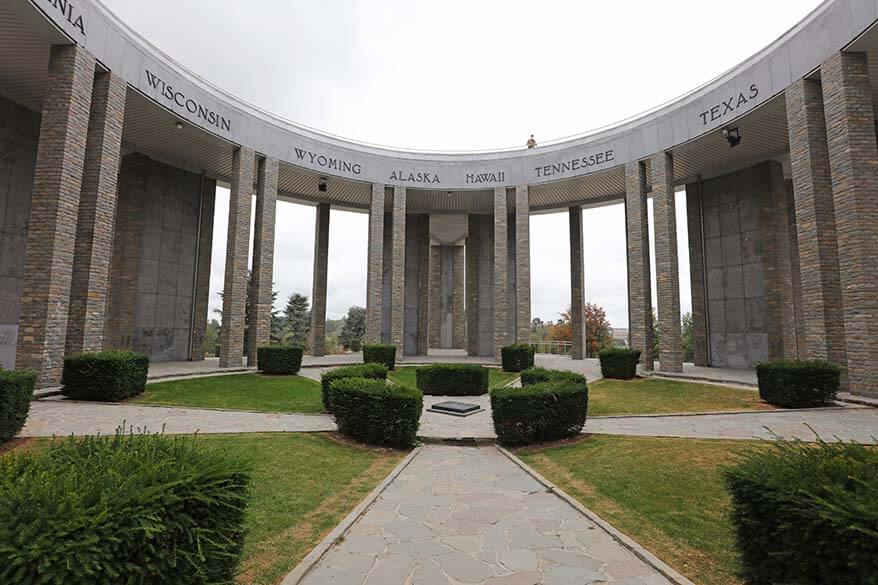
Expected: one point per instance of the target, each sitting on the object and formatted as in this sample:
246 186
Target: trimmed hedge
807 513
619 363
377 413
104 375
279 359
370 371
798 384
380 353
517 357
452 380
533 376
16 392
541 412
130 509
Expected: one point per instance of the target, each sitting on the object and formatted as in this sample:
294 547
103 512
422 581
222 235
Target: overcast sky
458 75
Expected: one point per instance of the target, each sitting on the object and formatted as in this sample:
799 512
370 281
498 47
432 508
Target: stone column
472 285
458 316
639 271
397 277
815 218
500 265
522 264
577 284
237 248
696 273
97 214
667 271
262 274
423 245
318 285
202 275
795 271
375 271
435 320
853 161
51 232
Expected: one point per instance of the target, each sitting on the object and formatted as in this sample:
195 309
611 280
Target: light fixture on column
733 135
178 125
321 185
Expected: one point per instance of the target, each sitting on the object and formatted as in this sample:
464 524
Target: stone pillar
202 275
318 285
397 276
853 160
780 311
375 271
815 219
472 285
501 286
51 232
795 270
237 248
639 271
97 214
458 317
262 274
423 246
696 274
577 284
522 264
667 271
435 319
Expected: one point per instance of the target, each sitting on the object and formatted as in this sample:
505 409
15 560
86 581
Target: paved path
470 515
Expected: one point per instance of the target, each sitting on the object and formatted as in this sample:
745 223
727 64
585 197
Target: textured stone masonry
202 275
639 271
237 248
51 233
262 274
472 285
853 158
577 284
423 244
458 311
500 266
97 214
375 270
696 274
435 320
397 287
318 286
666 267
795 271
522 265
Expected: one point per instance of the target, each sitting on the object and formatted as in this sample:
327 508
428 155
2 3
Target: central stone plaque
456 408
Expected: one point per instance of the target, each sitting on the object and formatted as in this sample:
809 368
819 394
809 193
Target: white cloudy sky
458 74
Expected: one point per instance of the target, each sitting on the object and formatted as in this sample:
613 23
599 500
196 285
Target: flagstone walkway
470 515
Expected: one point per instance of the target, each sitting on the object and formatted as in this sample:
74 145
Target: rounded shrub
798 384
517 357
130 509
356 345
533 376
279 359
375 412
370 371
452 380
541 412
806 513
380 353
104 375
619 363
16 392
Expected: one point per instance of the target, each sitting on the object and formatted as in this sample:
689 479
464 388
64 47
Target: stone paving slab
469 515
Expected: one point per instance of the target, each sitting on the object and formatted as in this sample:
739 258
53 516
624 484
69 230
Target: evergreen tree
297 320
354 326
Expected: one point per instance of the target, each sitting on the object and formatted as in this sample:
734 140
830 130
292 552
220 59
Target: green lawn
656 396
238 392
667 494
405 375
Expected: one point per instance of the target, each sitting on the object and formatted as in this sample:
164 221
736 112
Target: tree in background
688 340
297 320
597 329
211 339
354 327
538 329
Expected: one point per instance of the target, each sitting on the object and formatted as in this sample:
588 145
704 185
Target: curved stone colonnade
783 231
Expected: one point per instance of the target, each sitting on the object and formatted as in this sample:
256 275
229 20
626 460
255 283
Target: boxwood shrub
619 362
533 376
452 380
517 357
807 513
279 359
16 392
540 412
104 375
375 412
380 353
130 509
797 384
370 371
